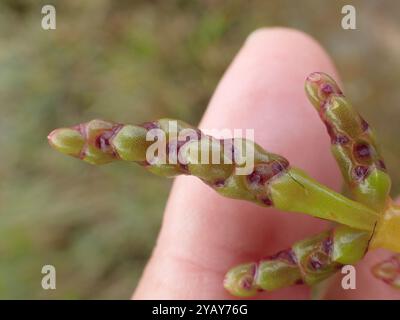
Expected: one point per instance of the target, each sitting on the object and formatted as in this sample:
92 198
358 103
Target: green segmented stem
356 150
353 142
308 261
270 182
312 260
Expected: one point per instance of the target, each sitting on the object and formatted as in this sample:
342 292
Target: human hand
203 234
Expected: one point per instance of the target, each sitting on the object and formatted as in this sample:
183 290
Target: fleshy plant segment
368 220
271 182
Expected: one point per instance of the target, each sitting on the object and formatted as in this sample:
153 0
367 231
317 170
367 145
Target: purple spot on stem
219 183
315 264
82 154
199 133
254 177
246 283
279 165
285 255
330 130
102 141
314 77
150 125
362 150
143 163
80 128
173 149
360 172
381 164
262 173
327 88
340 139
327 245
267 201
184 167
364 125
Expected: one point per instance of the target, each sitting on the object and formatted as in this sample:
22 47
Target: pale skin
204 234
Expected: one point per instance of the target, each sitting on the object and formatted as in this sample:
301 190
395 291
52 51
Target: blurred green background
134 61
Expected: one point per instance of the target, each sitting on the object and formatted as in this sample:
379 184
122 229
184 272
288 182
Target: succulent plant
368 220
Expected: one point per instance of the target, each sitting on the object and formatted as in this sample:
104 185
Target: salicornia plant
370 220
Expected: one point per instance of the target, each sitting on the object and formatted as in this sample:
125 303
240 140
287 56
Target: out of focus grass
136 61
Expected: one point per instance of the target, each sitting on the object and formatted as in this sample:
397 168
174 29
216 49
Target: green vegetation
137 60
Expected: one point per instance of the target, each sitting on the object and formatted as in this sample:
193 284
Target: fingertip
278 33
295 44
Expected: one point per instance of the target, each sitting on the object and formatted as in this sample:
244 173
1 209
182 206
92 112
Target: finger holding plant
271 182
